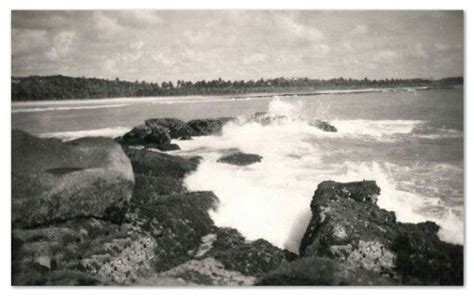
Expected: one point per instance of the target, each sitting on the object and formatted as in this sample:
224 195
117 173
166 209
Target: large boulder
159 164
178 129
204 127
240 159
348 227
151 136
54 181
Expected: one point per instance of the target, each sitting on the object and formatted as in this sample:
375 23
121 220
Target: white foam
271 199
67 108
375 128
108 132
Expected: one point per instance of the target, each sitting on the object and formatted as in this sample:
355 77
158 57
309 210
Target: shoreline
158 232
20 103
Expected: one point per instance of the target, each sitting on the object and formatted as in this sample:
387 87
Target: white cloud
360 29
385 55
63 44
254 58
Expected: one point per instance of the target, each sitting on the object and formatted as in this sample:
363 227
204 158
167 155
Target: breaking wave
271 199
67 108
108 132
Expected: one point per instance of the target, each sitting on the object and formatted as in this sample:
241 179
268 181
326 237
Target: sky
157 46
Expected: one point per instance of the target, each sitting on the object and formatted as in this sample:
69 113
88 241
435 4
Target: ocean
410 141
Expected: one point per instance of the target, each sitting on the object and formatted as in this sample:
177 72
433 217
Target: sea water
410 142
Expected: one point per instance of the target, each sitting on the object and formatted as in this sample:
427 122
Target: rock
81 252
54 181
323 125
143 134
209 272
347 226
152 135
315 271
159 164
177 222
240 159
251 258
178 129
146 186
204 127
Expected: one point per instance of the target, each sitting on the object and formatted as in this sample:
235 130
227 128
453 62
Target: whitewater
410 143
271 199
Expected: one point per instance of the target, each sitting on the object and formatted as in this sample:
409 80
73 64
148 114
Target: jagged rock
177 222
240 159
54 181
323 125
143 134
146 186
317 271
159 164
204 127
347 226
178 129
208 272
80 252
251 258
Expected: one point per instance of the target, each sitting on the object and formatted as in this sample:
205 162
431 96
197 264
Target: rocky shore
95 211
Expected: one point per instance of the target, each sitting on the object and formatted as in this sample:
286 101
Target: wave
32 110
108 132
271 199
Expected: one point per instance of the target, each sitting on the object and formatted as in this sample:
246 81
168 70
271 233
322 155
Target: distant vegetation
62 87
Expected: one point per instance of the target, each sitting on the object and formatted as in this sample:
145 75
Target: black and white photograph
237 147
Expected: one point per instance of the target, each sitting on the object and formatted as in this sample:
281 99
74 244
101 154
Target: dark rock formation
348 227
165 236
323 125
320 272
81 252
204 127
54 181
157 133
178 129
229 247
177 222
143 135
240 159
159 164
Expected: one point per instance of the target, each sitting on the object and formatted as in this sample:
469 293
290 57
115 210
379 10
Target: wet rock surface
349 231
54 181
164 235
160 239
205 127
158 133
240 159
323 125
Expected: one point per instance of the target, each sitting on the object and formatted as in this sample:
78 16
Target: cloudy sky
195 45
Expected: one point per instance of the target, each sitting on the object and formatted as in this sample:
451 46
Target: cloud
235 44
360 29
63 44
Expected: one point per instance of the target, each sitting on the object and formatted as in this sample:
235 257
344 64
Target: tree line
63 87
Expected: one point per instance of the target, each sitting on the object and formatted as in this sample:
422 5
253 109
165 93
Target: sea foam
271 199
